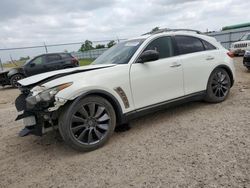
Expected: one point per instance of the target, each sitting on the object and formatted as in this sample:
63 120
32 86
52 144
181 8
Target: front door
157 81
35 66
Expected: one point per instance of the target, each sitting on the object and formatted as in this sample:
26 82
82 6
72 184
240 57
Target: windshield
245 37
121 53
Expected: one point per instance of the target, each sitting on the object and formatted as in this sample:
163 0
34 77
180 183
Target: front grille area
242 45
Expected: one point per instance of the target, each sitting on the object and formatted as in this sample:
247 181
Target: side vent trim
123 96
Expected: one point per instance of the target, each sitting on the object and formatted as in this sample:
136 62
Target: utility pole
1 65
46 49
12 60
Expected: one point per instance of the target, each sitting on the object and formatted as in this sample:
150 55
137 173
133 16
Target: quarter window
162 45
188 44
208 46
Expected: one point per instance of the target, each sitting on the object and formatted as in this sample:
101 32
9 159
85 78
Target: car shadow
53 142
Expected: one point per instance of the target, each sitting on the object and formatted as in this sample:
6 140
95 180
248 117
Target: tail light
230 54
74 61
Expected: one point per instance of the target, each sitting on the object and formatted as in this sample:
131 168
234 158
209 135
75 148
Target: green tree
99 46
111 43
24 58
88 45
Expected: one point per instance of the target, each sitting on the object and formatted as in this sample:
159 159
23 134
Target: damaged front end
39 107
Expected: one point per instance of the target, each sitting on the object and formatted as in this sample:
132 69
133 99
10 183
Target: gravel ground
193 145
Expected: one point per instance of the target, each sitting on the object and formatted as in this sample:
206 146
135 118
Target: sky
33 22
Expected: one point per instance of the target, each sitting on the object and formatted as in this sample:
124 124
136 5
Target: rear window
188 44
53 57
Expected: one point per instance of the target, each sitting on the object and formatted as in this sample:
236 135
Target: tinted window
53 57
66 56
208 46
38 60
188 45
162 45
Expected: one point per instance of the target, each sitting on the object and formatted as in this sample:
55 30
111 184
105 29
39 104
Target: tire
14 79
218 86
88 123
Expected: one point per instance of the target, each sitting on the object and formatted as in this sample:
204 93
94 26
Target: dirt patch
193 145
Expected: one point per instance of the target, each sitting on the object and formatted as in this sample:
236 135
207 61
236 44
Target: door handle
209 58
175 64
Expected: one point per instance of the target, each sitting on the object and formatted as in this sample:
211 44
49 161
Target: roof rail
171 30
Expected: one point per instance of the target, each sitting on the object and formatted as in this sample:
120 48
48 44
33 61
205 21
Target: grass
12 65
82 62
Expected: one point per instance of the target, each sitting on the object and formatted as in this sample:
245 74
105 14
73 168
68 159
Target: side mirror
32 64
149 55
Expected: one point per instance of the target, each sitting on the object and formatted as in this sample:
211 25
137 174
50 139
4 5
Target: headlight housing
247 52
45 95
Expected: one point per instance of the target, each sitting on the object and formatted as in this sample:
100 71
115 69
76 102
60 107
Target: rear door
157 81
197 58
53 62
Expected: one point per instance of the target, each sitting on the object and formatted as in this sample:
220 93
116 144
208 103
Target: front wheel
87 124
218 86
14 80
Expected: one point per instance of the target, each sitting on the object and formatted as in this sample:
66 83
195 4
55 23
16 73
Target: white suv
243 45
134 77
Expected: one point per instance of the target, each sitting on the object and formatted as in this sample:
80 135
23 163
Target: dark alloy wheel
14 80
219 85
87 124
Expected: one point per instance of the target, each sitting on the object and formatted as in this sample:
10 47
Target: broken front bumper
37 121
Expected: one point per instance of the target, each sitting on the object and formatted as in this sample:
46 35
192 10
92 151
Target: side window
208 46
38 60
162 45
65 56
188 44
53 57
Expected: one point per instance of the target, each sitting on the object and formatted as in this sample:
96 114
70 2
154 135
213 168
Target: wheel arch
14 72
229 72
110 98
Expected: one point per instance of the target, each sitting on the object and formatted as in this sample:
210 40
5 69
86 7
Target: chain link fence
90 54
1 65
17 56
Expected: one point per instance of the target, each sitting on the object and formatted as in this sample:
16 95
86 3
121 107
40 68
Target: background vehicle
131 79
239 48
246 60
39 64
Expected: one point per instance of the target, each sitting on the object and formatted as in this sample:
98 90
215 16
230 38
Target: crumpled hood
60 73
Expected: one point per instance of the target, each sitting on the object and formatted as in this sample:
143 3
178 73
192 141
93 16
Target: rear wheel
87 124
218 87
15 78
